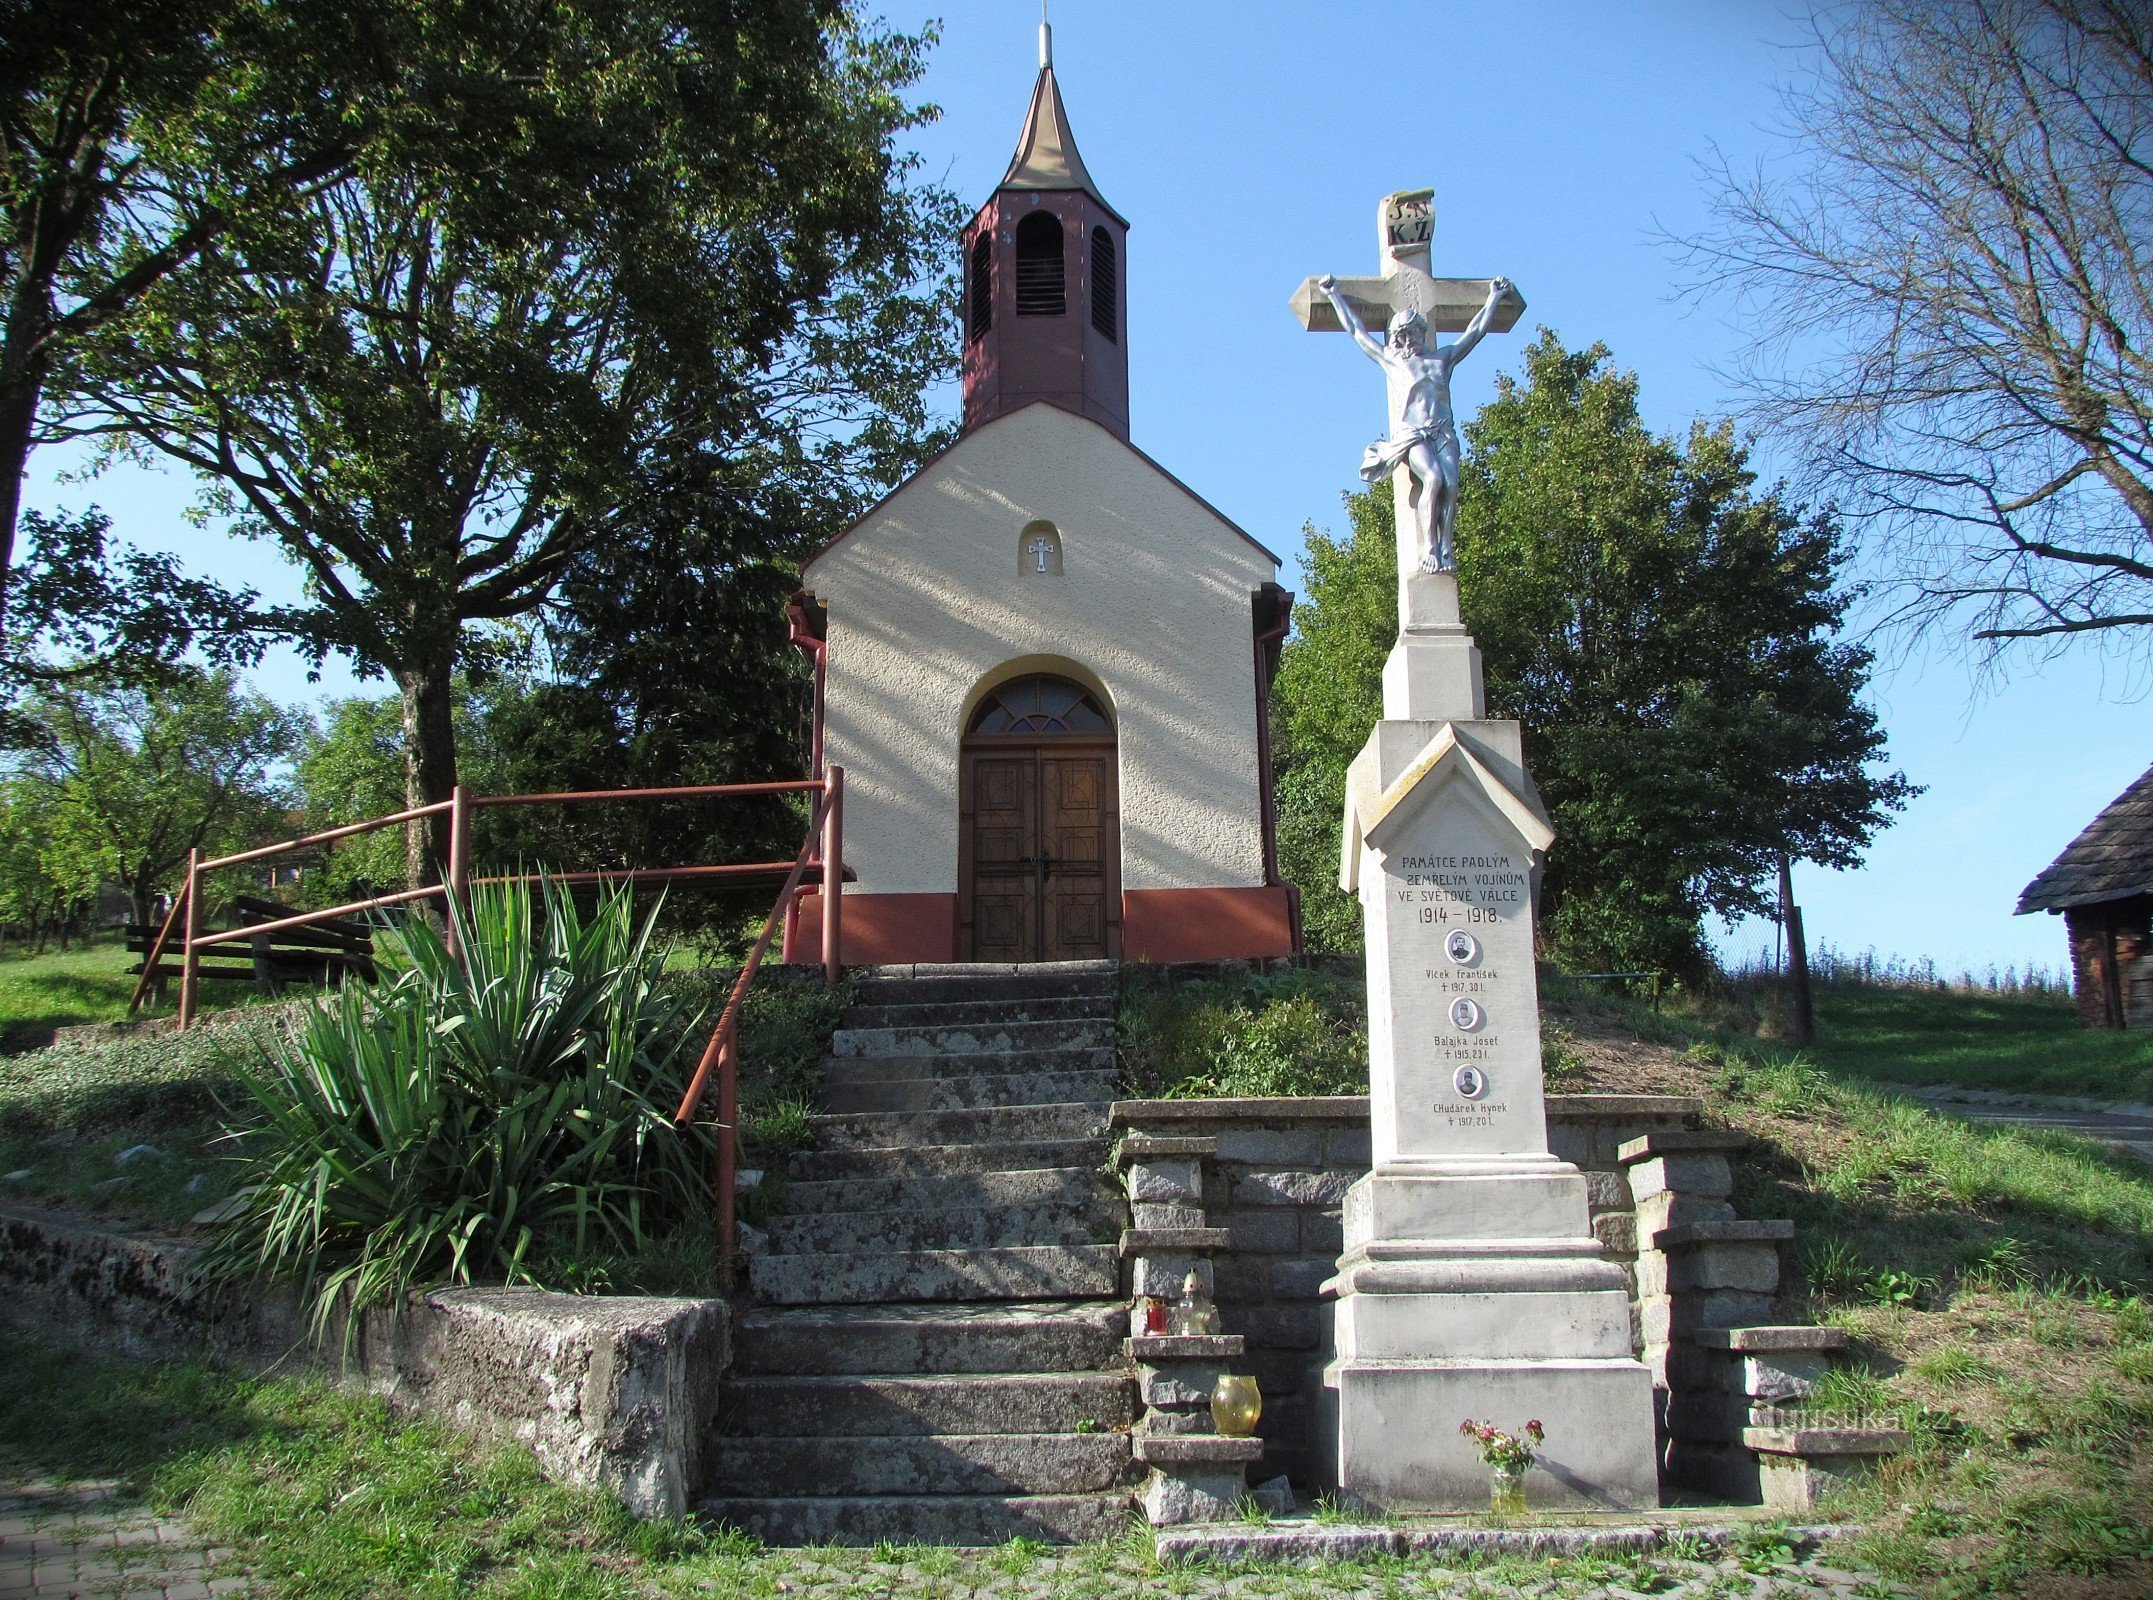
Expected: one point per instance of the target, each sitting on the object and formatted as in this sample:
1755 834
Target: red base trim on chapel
1156 925
1206 924
882 929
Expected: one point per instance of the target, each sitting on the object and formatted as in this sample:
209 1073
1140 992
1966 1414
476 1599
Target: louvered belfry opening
1039 266
981 316
1105 284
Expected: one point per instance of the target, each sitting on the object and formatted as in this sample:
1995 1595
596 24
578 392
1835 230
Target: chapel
1045 660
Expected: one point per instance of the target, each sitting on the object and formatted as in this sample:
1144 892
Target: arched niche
1039 550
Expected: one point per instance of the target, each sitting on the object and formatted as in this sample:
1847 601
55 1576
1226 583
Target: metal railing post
728 1144
190 961
459 863
833 876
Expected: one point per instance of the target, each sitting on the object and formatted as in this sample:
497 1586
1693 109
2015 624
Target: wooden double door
1040 850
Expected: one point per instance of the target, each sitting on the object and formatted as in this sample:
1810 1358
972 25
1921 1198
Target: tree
135 776
1664 635
41 889
1953 294
98 98
437 391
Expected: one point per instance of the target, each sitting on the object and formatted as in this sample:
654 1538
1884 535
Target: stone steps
963 1520
1012 1272
936 1350
974 1038
940 1464
881 1405
960 1013
968 1093
985 1125
971 1064
956 1191
973 984
896 1229
1016 1336
931 1160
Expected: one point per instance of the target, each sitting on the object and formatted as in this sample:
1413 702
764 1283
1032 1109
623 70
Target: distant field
2031 1043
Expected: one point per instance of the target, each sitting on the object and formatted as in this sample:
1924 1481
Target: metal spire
1046 38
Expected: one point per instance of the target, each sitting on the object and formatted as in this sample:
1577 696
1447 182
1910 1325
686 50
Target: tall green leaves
462 1119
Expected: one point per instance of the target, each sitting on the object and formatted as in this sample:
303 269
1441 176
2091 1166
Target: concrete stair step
1018 1272
983 1063
891 1230
957 1191
973 1038
932 1161
971 1092
960 1013
883 1405
965 982
999 1336
986 1125
945 1464
963 1520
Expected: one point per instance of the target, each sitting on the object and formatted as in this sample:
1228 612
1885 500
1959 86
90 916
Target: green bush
1298 1032
464 1120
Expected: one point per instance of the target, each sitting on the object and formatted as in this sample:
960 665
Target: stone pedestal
1472 1285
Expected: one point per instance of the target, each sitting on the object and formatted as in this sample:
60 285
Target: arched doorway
1039 862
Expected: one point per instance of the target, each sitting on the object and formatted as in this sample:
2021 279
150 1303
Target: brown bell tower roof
1047 155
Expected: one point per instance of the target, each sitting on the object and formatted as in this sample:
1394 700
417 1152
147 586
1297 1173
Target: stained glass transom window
1040 705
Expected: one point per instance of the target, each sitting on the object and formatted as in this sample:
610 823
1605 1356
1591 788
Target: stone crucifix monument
1471 1285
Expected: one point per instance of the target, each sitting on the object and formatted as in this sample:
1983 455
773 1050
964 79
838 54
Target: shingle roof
2111 860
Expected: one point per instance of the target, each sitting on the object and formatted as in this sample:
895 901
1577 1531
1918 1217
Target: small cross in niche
1039 550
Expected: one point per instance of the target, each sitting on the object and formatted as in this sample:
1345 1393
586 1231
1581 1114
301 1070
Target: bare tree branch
1950 276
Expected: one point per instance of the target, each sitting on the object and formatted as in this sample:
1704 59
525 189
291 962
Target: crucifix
1410 305
1039 549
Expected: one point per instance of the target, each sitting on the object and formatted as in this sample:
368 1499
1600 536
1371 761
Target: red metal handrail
824 848
185 913
721 1056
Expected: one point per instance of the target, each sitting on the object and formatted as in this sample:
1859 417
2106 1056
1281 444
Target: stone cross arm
1448 303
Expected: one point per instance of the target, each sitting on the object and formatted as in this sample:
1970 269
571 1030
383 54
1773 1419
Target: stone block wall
609 1392
1272 1186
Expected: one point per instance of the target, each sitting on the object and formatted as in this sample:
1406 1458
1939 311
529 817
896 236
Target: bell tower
1045 307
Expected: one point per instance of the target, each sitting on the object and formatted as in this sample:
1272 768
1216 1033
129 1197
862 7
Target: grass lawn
324 1494
87 983
2027 1042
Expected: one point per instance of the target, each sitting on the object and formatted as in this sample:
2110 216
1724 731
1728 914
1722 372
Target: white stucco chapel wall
930 605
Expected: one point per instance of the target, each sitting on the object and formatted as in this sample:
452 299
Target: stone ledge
1157 1347
1354 1108
1172 1241
1137 1147
1194 1449
1696 1233
1761 1340
609 1392
1680 1141
1573 1106
1281 1108
1808 1442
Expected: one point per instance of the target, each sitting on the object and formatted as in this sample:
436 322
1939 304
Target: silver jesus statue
1423 433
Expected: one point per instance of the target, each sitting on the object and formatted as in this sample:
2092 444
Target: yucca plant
464 1118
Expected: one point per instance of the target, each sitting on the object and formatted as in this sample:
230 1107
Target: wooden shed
2102 885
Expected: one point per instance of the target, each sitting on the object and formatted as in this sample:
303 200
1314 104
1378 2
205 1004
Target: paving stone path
81 1541
1111 1573
2123 1125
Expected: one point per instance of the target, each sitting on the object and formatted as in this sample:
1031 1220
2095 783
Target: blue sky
1248 144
